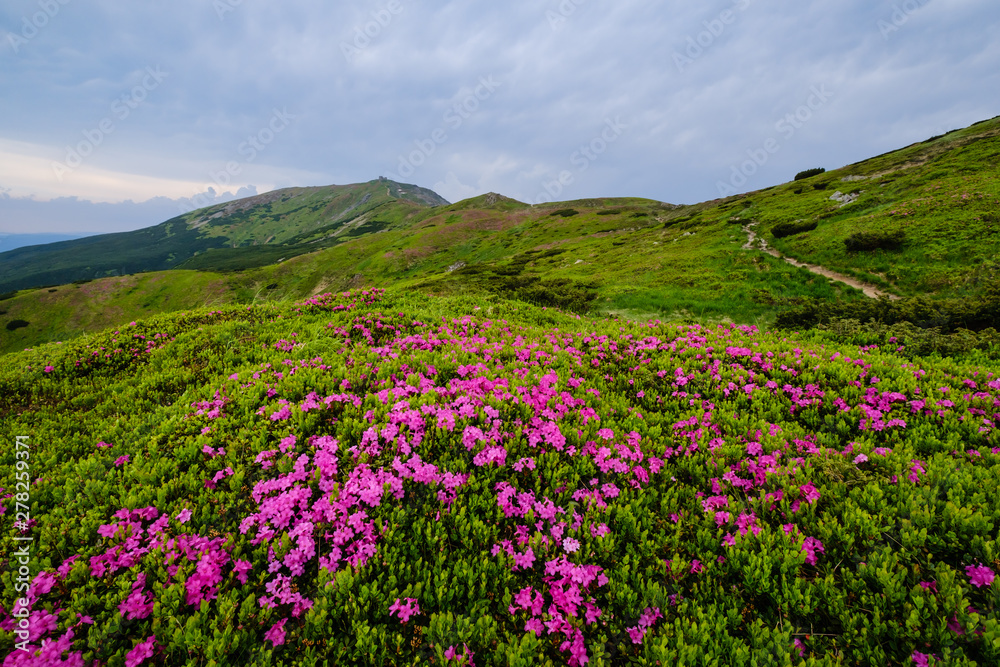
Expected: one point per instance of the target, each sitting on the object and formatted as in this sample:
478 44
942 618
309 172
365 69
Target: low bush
875 240
14 325
809 172
783 229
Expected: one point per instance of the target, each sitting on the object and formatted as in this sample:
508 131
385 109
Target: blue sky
119 115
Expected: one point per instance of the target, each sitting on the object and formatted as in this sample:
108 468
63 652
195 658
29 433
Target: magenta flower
121 460
102 445
980 575
464 659
49 369
241 568
43 583
571 545
142 651
919 659
696 567
184 515
405 610
811 546
636 634
276 635
809 492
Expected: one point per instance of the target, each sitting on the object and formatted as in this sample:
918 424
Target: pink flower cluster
404 609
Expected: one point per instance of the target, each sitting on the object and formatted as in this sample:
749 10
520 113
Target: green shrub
809 172
14 325
566 212
874 240
783 229
945 315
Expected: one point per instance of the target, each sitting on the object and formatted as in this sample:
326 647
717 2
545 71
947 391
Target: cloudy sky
118 115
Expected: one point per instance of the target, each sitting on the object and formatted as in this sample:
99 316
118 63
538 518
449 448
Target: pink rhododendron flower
464 659
571 545
103 445
637 634
812 546
276 635
809 492
241 568
121 460
405 610
142 651
980 575
184 515
43 583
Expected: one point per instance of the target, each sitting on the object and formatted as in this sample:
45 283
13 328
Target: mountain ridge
921 221
291 216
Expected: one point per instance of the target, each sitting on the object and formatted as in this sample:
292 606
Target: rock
844 200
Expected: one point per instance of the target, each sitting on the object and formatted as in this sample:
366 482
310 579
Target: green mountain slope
283 222
921 221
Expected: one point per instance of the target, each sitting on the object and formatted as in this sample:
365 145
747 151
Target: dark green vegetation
873 240
809 173
922 221
783 229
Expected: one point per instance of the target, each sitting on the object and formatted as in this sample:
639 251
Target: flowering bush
403 482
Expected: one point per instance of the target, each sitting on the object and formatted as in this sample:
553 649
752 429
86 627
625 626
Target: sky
116 116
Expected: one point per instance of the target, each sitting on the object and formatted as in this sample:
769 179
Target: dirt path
756 242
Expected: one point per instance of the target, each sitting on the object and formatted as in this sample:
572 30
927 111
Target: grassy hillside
223 237
392 479
918 221
941 198
66 312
